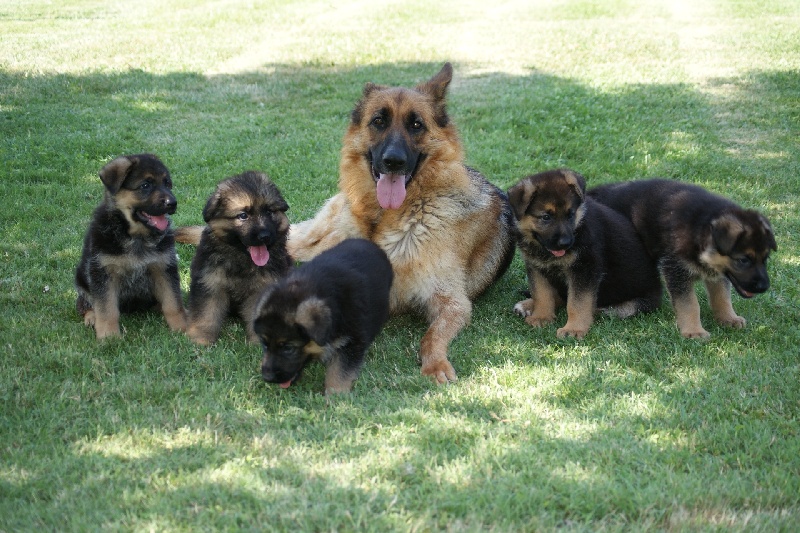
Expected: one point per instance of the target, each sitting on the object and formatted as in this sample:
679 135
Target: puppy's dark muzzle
164 204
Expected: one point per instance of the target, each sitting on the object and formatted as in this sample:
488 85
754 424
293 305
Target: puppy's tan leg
337 379
580 314
719 296
544 301
687 315
206 319
106 312
168 293
448 314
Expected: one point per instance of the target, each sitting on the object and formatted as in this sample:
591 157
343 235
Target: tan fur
445 241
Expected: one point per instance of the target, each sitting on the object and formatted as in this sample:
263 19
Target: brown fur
579 253
245 211
448 240
128 261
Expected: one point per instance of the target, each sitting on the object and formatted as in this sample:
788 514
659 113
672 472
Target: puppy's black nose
565 241
265 236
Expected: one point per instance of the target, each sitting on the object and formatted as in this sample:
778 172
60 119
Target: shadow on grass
656 407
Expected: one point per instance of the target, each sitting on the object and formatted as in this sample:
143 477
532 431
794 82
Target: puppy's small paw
569 331
539 321
734 321
695 333
524 308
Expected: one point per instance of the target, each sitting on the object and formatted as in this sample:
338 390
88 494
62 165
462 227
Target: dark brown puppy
329 309
404 186
579 252
128 261
695 235
241 251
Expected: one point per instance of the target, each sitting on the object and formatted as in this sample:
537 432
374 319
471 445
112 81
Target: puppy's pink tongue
285 385
160 222
259 254
391 190
558 253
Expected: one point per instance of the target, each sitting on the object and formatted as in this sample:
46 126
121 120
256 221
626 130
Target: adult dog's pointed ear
113 174
520 197
314 316
576 181
436 87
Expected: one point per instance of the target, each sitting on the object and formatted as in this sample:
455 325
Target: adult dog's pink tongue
259 254
558 253
286 384
160 222
391 190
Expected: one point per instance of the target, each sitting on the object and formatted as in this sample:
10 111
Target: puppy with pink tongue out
240 252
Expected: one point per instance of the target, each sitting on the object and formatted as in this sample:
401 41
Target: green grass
631 428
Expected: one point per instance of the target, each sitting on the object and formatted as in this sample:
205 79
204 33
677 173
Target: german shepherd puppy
329 309
695 235
129 262
240 252
403 185
579 252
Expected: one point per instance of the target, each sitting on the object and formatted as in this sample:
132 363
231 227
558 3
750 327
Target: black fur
330 309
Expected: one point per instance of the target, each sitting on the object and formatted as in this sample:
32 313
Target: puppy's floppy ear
213 205
767 227
114 173
262 309
725 231
314 316
576 181
520 196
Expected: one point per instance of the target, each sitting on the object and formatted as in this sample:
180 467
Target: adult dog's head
393 135
249 213
140 186
549 208
741 241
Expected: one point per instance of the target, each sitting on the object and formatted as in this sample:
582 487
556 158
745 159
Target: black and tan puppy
241 251
329 309
128 262
695 235
578 252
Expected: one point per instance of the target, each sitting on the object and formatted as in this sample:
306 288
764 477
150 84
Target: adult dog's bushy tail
189 234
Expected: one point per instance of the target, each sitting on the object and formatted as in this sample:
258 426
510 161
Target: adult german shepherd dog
695 235
240 252
128 262
580 253
403 185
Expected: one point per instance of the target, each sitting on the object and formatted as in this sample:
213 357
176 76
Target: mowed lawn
631 428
